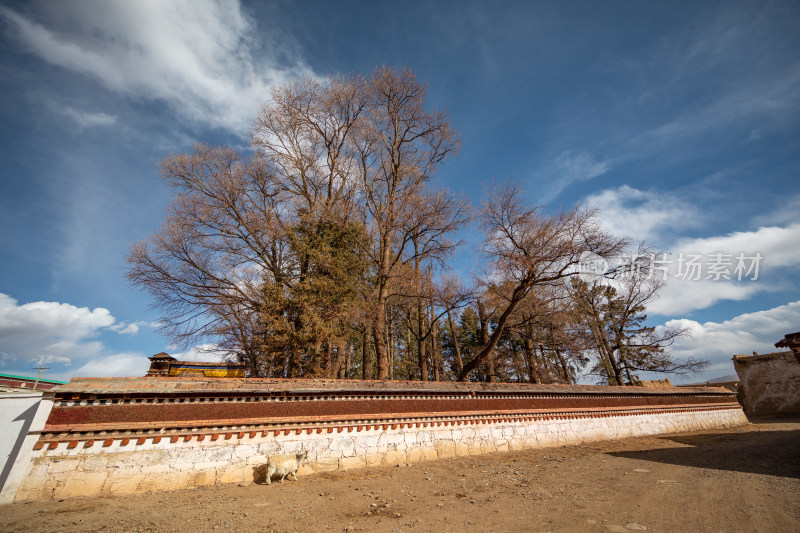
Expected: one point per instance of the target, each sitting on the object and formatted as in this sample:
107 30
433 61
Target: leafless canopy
325 253
529 248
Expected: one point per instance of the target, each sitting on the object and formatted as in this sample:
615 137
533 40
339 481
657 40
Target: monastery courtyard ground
743 479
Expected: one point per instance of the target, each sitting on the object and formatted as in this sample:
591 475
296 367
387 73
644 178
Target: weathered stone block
446 449
352 462
204 478
155 469
394 458
171 481
122 485
269 448
243 451
82 484
325 464
414 455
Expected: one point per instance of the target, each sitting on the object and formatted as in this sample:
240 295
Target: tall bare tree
240 252
401 146
529 248
206 264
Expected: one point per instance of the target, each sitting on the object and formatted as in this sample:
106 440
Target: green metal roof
41 380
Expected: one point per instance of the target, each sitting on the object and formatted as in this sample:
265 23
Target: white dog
284 465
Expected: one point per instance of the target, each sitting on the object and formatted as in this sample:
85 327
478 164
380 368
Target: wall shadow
27 420
774 453
777 418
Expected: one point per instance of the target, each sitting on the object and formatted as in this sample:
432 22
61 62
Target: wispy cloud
88 119
730 75
759 103
200 57
569 168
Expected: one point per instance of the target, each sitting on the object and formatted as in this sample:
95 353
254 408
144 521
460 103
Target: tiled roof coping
300 386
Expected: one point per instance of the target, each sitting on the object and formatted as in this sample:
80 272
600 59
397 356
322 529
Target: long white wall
153 463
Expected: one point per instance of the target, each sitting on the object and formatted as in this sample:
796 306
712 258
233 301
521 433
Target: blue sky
680 121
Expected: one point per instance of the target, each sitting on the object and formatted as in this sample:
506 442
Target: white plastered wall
164 465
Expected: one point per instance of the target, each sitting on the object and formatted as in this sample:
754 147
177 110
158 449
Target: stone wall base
129 466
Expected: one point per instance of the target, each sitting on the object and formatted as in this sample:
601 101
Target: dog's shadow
260 474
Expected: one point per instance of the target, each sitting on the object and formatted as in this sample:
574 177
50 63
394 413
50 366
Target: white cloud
56 333
718 342
118 365
87 119
654 216
125 329
50 332
777 246
643 215
210 353
198 56
136 364
569 168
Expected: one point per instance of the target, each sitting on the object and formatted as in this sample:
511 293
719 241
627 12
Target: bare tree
401 145
240 252
613 313
208 260
529 248
545 324
228 234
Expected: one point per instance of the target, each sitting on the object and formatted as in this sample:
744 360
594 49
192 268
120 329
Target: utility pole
40 369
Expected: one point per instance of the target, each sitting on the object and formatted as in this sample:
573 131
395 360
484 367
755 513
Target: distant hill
721 379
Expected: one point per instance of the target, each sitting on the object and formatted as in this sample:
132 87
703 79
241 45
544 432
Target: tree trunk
456 344
435 352
390 342
484 324
366 367
422 352
615 368
378 333
530 355
564 367
344 359
628 373
485 351
296 352
545 360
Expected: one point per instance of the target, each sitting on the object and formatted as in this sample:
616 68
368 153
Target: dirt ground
743 479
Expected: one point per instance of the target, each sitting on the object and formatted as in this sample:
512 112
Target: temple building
164 365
